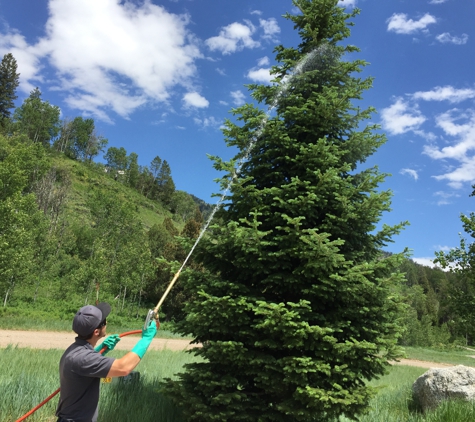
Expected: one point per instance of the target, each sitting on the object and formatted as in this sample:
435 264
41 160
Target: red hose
47 399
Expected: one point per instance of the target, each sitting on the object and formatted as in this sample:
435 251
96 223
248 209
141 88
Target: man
81 366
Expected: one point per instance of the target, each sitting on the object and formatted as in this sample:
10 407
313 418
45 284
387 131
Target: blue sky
160 77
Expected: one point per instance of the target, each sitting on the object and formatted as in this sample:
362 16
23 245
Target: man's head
90 318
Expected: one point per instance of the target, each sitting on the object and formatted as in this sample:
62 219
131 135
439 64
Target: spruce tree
9 80
295 307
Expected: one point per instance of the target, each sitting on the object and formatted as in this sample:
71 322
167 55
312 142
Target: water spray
320 57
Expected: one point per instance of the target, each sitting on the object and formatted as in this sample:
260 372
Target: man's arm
124 366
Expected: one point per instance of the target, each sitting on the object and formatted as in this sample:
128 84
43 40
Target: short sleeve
93 365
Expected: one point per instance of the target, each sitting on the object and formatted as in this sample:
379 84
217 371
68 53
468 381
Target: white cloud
445 198
462 175
428 262
207 122
238 98
400 24
401 117
103 56
260 75
271 29
428 136
445 93
232 38
446 38
263 61
443 248
410 172
193 99
437 1
448 122
452 144
347 3
27 57
459 125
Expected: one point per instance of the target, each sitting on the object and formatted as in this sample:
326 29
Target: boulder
436 385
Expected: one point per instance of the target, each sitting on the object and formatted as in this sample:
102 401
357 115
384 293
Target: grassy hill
86 177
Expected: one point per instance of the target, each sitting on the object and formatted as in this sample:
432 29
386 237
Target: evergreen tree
146 182
133 170
9 81
169 226
165 184
155 166
295 309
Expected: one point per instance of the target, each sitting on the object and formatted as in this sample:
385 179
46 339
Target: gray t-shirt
80 371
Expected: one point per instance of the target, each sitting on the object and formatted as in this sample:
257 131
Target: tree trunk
6 298
89 289
123 298
140 296
10 289
36 289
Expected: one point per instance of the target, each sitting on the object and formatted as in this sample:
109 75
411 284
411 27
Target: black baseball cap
89 317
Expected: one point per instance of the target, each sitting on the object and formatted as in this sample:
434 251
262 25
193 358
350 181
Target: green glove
109 342
147 336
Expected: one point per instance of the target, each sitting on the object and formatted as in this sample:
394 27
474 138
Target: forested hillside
73 230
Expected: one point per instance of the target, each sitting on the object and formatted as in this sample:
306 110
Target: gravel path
422 364
61 340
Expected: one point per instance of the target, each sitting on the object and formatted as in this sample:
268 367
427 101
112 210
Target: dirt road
61 340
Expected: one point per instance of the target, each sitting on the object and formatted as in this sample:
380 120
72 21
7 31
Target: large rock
436 385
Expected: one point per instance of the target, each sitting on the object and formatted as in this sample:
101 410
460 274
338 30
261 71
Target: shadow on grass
136 400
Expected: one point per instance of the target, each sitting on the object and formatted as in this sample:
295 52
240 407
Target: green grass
393 402
445 355
28 376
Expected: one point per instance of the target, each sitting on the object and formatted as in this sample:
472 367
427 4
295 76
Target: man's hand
109 342
151 330
147 336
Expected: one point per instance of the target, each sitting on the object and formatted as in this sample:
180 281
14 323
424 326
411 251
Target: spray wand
153 313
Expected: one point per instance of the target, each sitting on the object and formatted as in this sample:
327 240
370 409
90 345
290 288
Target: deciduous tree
116 158
38 119
461 262
20 219
182 205
83 141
